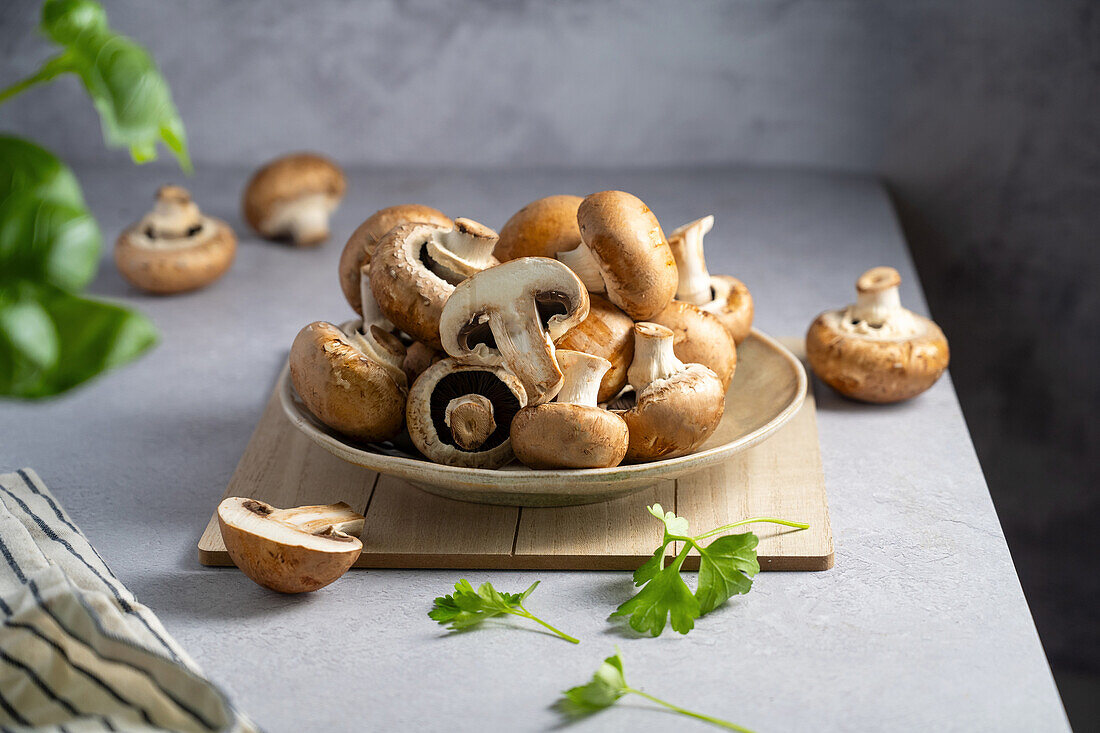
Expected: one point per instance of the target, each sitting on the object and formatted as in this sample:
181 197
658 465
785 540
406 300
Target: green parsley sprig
467 607
726 567
608 685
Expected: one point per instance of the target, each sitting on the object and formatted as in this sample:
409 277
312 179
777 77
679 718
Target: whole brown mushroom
175 248
723 295
875 350
700 338
607 332
351 381
624 254
678 405
292 198
541 229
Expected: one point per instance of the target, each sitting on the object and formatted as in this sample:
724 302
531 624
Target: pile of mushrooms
579 337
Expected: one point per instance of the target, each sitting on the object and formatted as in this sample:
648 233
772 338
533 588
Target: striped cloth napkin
77 652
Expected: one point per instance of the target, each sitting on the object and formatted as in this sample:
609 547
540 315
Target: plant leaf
725 568
675 526
652 566
607 685
665 597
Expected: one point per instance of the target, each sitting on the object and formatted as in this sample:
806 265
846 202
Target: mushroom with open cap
624 253
572 431
175 247
460 414
360 247
678 405
350 380
875 350
292 198
510 315
700 338
290 550
541 229
607 332
415 267
723 295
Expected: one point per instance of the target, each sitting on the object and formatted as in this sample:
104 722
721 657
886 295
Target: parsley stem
537 620
51 69
682 711
727 527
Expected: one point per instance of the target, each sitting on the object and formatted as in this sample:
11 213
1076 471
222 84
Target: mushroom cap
732 304
630 248
874 369
357 252
342 387
409 294
675 415
698 337
175 248
511 314
607 332
562 435
432 392
541 229
278 555
289 179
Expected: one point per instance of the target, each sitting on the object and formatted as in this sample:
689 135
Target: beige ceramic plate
767 390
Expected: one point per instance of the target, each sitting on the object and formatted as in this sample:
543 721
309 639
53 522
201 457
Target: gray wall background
983 117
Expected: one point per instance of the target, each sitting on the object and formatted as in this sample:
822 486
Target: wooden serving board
409 528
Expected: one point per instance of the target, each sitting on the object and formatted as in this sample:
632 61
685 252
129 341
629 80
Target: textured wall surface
981 116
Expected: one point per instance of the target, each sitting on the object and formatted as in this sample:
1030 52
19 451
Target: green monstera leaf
51 339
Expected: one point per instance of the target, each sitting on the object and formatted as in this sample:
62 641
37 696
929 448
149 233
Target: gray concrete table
921 625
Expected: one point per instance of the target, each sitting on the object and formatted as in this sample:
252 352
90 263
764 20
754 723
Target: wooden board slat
409 528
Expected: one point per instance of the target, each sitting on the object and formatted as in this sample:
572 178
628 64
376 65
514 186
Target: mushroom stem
653 356
528 350
304 220
470 419
582 374
691 267
583 264
379 345
459 253
315 519
174 214
877 296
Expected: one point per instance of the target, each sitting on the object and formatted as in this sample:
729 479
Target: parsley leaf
726 567
467 607
608 685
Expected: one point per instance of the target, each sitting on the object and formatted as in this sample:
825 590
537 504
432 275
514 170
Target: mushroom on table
875 350
292 198
175 247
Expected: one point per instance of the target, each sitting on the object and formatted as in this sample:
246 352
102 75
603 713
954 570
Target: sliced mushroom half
724 296
175 248
460 414
510 315
290 550
875 350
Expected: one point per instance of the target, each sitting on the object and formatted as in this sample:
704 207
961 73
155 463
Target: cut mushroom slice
510 315
351 381
292 198
290 550
607 332
415 268
875 350
175 248
624 254
678 405
460 414
572 431
541 229
724 296
700 338
362 242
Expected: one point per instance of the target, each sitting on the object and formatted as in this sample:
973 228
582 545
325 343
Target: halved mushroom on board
875 350
460 414
415 267
723 295
678 405
290 550
175 248
510 315
292 198
351 381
